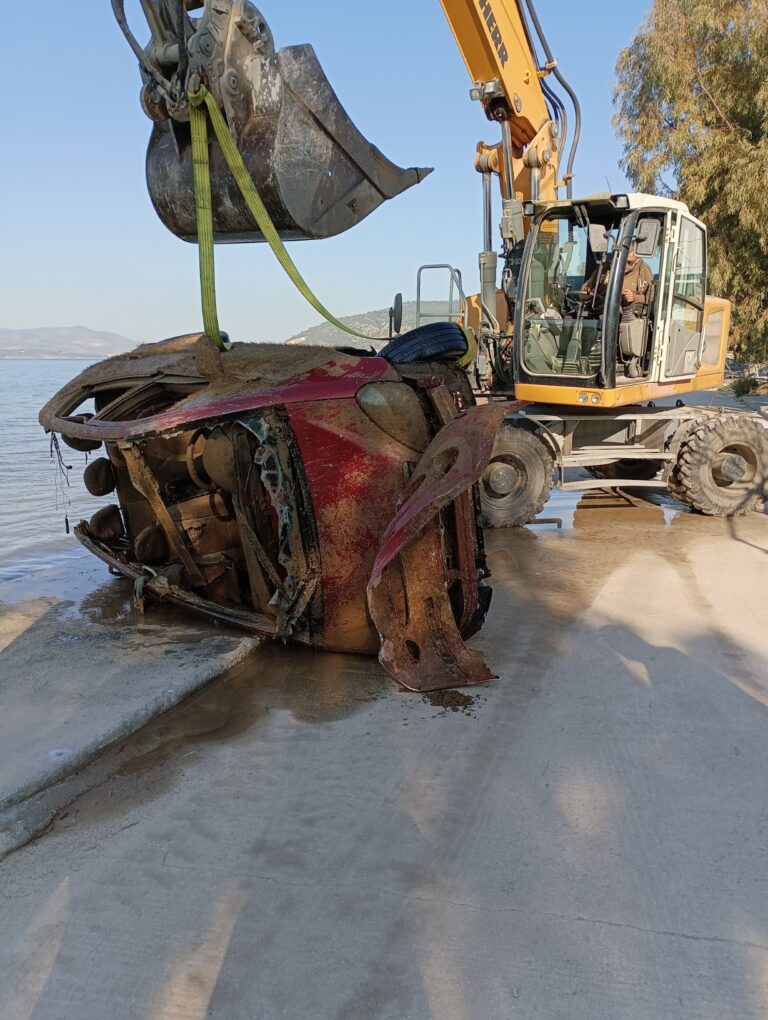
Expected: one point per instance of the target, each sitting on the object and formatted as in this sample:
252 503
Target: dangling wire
61 479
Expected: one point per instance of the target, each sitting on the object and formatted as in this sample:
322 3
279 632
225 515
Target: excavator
592 368
335 496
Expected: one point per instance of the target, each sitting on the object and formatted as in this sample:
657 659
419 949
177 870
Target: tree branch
697 77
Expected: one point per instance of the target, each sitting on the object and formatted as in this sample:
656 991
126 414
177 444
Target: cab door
685 309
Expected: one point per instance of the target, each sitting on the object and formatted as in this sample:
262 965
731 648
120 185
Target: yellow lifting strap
204 210
255 205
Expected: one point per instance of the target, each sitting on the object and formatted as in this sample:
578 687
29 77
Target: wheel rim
505 479
736 468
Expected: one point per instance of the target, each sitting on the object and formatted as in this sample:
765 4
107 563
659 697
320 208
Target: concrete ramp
80 670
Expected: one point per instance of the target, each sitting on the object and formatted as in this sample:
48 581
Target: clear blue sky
81 243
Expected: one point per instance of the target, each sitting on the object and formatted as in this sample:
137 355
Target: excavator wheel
437 341
722 467
518 480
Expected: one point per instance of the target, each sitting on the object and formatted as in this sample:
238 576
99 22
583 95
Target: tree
692 98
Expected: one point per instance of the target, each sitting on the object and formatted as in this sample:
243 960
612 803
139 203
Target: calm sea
35 494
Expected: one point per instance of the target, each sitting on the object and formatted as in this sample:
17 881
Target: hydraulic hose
181 32
552 64
118 9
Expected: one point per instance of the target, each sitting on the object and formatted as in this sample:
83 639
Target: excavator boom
517 80
493 40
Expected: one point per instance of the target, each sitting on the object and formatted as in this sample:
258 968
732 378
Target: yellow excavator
599 315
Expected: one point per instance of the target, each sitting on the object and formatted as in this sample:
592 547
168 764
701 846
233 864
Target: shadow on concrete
304 841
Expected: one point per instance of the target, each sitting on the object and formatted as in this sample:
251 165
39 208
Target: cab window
687 313
564 296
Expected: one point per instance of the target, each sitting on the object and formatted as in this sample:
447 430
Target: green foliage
743 387
692 97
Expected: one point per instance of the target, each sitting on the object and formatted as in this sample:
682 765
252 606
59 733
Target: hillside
372 324
52 342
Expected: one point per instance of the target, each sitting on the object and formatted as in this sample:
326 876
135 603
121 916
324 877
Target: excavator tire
722 467
518 480
675 488
437 341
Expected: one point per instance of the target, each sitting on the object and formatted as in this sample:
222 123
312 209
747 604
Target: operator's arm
589 285
641 293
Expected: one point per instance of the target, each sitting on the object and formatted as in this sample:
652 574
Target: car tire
437 341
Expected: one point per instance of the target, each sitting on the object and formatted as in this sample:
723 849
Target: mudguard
421 646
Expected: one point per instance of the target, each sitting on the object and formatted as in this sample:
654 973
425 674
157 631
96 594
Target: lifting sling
199 102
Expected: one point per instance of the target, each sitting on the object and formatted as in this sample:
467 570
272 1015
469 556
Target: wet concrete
587 837
80 668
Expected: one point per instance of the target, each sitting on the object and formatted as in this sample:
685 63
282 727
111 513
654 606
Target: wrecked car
300 493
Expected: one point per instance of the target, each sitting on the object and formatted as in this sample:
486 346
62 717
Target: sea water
39 493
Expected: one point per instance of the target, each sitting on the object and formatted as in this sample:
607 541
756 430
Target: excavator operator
636 292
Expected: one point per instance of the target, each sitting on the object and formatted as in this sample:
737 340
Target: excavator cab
316 173
610 303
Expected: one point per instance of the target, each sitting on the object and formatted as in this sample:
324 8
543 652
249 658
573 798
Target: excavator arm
499 42
316 172
493 41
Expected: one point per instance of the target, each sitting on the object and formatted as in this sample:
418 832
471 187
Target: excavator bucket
316 173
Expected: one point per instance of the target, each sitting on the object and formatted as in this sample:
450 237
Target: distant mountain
53 342
372 324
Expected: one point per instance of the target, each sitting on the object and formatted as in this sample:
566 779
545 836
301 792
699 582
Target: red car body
296 492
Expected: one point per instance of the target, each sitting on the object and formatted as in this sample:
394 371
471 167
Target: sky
82 244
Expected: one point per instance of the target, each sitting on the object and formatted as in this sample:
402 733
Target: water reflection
571 509
314 687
